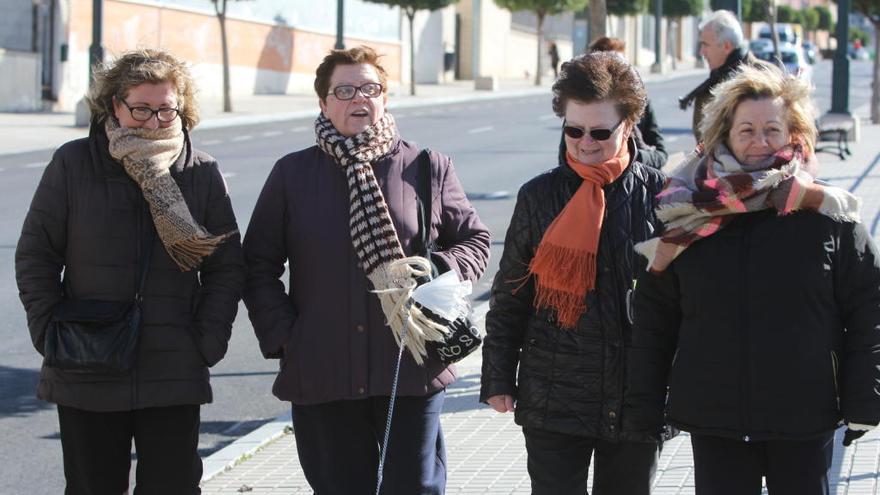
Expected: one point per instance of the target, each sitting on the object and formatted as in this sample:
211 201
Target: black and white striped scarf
375 240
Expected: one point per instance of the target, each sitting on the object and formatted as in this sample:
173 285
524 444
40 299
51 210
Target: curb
247 446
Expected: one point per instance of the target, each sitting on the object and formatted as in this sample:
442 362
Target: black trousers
97 450
559 464
724 466
338 446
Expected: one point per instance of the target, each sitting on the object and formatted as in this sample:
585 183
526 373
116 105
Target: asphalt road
496 146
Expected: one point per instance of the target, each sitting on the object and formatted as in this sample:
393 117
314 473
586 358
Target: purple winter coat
338 346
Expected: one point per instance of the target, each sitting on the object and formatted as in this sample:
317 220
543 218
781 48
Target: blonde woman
761 306
134 218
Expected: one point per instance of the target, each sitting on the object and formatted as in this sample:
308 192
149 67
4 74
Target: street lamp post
340 23
840 72
96 50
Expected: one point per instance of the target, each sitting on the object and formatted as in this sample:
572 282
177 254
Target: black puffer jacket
570 381
87 218
768 329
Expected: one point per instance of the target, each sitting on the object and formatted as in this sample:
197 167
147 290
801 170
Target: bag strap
146 254
423 193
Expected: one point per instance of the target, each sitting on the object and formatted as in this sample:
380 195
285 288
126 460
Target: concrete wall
16 25
264 58
20 85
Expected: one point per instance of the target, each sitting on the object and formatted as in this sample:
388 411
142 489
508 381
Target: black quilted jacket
570 381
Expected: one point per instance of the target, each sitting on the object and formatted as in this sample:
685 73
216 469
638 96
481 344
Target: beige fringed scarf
373 236
147 156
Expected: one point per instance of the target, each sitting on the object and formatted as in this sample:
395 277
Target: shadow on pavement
19 397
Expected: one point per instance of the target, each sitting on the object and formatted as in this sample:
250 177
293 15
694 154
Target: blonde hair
131 69
756 84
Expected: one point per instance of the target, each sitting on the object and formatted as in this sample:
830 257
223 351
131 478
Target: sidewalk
486 451
23 132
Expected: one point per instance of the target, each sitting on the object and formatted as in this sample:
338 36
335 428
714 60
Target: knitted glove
854 431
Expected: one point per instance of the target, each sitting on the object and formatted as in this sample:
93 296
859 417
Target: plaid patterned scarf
373 236
705 192
147 156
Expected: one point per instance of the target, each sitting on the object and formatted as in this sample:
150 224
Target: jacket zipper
834 370
745 341
140 254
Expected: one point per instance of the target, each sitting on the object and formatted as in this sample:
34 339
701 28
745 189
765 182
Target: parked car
810 51
795 62
761 48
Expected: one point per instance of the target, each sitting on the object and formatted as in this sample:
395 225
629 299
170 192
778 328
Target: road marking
672 139
481 129
232 428
271 133
298 129
241 138
35 165
211 142
548 117
227 175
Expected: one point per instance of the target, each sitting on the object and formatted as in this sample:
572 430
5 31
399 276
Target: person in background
135 179
554 58
341 217
558 324
649 139
756 328
723 47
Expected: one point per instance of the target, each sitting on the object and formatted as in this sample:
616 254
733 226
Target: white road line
241 138
298 129
672 139
481 129
271 133
227 175
35 165
548 117
211 142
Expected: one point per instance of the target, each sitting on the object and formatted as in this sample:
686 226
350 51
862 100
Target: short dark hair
606 44
601 76
353 56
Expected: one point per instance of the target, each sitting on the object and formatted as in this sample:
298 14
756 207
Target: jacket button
612 414
359 328
361 390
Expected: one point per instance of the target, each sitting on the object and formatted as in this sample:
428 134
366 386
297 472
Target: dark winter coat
766 330
338 346
88 218
570 381
652 149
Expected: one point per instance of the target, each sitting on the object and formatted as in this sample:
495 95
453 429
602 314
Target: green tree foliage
810 19
541 9
626 7
678 8
410 7
825 21
784 13
758 11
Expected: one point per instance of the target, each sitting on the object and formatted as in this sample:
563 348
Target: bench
836 130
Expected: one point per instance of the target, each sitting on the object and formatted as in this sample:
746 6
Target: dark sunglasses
597 134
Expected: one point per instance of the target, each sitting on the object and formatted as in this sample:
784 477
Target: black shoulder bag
464 337
95 336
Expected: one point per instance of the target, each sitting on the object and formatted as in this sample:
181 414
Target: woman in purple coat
343 216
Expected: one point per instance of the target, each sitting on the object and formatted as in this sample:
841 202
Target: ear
323 106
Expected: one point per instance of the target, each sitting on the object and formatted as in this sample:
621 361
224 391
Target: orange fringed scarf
565 262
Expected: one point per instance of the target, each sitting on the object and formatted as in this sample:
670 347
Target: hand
850 435
501 403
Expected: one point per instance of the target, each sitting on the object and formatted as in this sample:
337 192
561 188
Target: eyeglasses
347 92
597 134
143 114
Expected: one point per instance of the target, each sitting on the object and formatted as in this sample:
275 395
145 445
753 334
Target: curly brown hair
601 76
353 56
606 44
136 67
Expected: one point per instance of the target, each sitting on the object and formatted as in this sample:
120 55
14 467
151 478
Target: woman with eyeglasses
343 218
131 217
560 311
756 330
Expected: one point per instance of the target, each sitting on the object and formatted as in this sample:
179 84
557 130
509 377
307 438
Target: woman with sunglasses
132 214
560 302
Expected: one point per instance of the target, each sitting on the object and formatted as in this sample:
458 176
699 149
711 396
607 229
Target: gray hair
726 27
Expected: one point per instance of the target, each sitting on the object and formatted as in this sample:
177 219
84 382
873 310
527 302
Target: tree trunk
540 47
221 16
773 34
598 15
875 94
411 15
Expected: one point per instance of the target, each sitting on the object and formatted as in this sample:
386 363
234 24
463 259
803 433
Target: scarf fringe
564 277
189 253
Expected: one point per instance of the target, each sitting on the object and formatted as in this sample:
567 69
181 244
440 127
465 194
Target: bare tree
220 9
